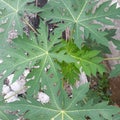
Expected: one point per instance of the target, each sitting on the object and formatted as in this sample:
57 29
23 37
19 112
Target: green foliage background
78 16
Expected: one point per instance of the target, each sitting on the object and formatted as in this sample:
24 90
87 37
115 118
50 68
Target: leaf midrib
32 106
84 6
27 60
1 113
50 59
95 17
9 6
62 113
84 60
88 109
68 10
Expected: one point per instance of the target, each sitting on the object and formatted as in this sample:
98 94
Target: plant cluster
54 39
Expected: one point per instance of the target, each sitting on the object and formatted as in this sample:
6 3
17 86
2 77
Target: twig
113 58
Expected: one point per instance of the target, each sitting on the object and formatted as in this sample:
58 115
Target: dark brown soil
115 89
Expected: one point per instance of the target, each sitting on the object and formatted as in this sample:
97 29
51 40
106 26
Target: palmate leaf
89 60
116 71
11 16
91 64
117 44
25 53
70 72
78 16
3 116
61 108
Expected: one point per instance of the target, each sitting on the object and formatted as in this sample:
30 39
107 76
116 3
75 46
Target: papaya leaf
61 108
25 53
116 71
12 15
70 72
116 117
117 44
41 56
89 60
3 116
80 16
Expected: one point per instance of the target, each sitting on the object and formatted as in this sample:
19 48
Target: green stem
85 100
113 58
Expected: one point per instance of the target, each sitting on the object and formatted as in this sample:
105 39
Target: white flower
43 98
11 97
5 89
